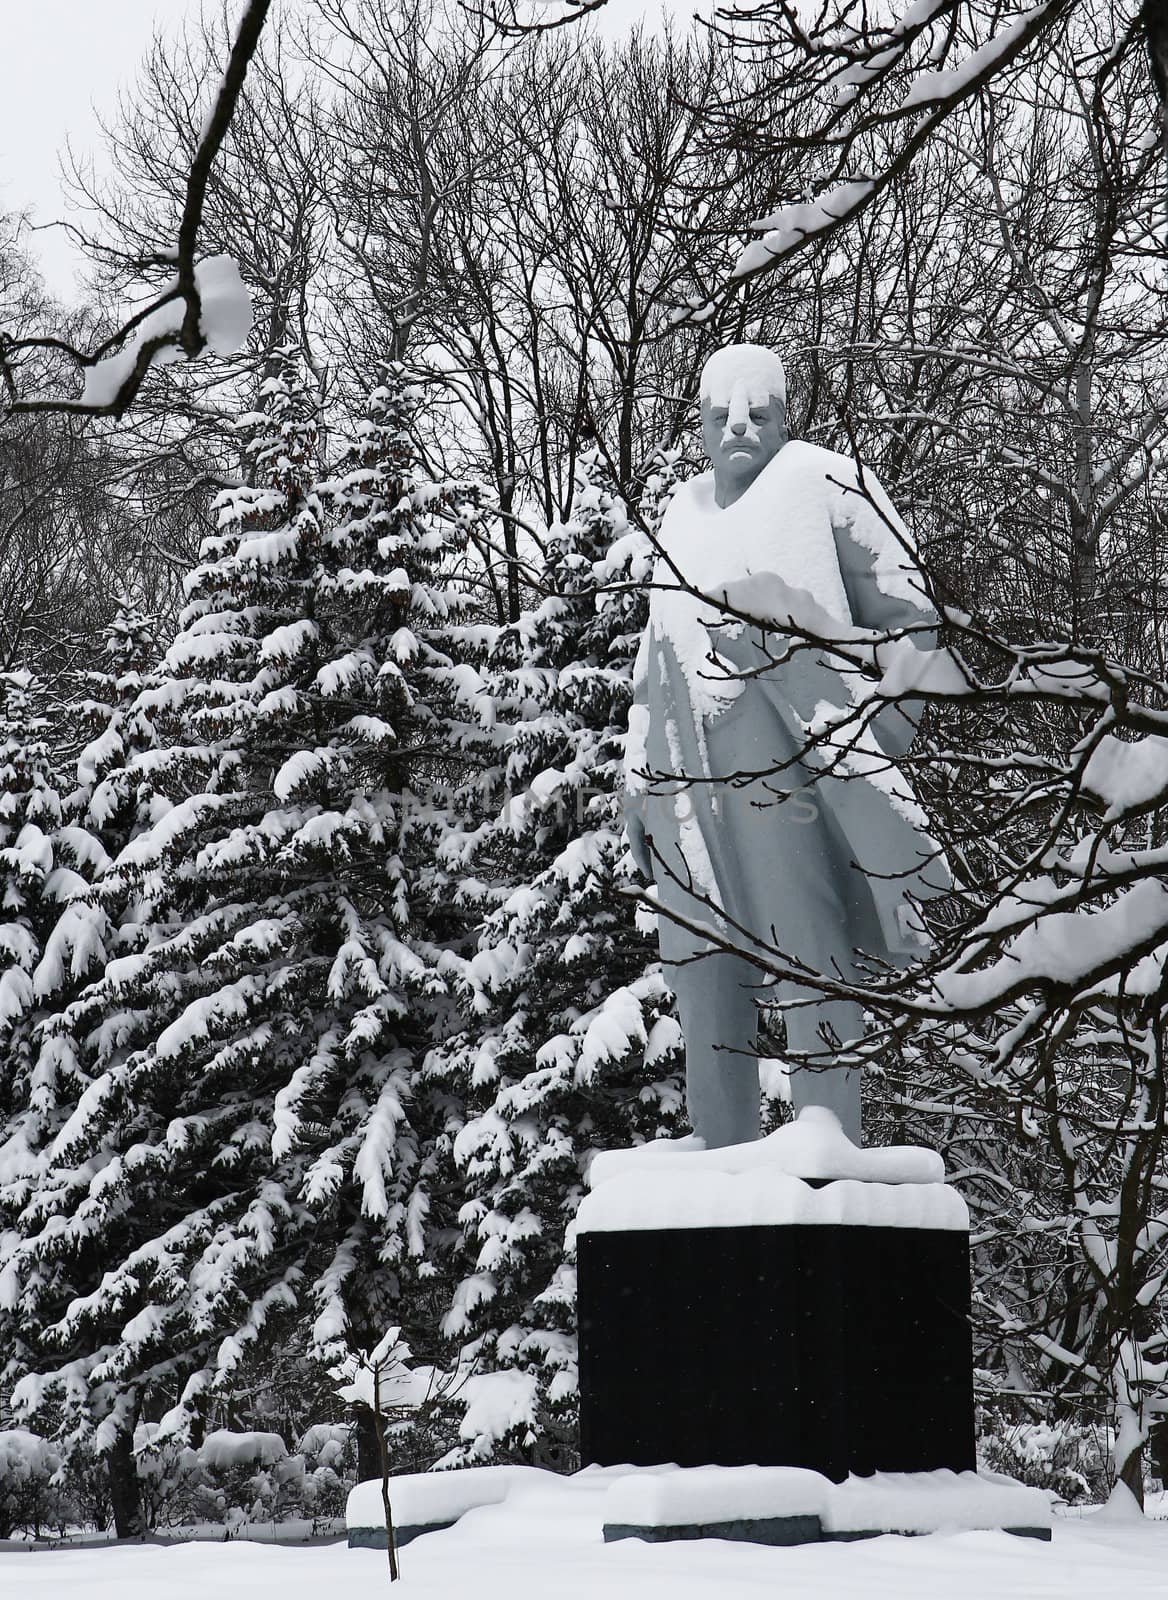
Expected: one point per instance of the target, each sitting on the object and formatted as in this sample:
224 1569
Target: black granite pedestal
836 1347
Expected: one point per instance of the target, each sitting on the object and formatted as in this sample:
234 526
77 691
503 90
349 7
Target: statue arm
874 607
636 758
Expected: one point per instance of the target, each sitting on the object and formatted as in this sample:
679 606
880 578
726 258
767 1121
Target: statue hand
638 844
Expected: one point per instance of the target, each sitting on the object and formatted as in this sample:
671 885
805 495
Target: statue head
744 415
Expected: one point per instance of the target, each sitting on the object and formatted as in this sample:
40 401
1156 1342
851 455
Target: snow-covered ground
549 1544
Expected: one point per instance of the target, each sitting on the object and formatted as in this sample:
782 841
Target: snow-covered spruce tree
254 1144
30 825
60 856
53 933
400 536
58 842
569 1044
114 800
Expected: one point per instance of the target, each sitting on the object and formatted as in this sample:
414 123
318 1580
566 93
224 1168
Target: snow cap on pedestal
813 1147
769 1182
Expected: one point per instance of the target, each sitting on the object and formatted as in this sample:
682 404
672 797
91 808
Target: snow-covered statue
821 866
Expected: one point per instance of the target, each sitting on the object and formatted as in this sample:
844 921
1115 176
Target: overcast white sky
65 61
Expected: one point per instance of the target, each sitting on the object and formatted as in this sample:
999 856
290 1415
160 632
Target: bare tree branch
169 332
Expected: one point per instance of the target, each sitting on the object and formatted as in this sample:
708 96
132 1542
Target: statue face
740 440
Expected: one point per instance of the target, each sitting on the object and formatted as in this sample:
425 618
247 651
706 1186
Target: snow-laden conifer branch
204 306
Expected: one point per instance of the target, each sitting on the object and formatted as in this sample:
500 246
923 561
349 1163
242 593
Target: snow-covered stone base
787 1505
423 1502
831 1347
756 1505
812 1298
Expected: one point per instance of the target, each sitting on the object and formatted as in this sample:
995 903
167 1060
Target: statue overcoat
748 834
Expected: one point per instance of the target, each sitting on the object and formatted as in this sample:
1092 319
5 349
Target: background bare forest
268 1086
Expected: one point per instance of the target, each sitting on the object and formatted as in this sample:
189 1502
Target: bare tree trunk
1084 533
383 1452
1158 1446
1132 1474
125 1490
368 1450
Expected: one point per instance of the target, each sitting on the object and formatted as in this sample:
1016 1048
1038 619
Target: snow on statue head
747 370
744 415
